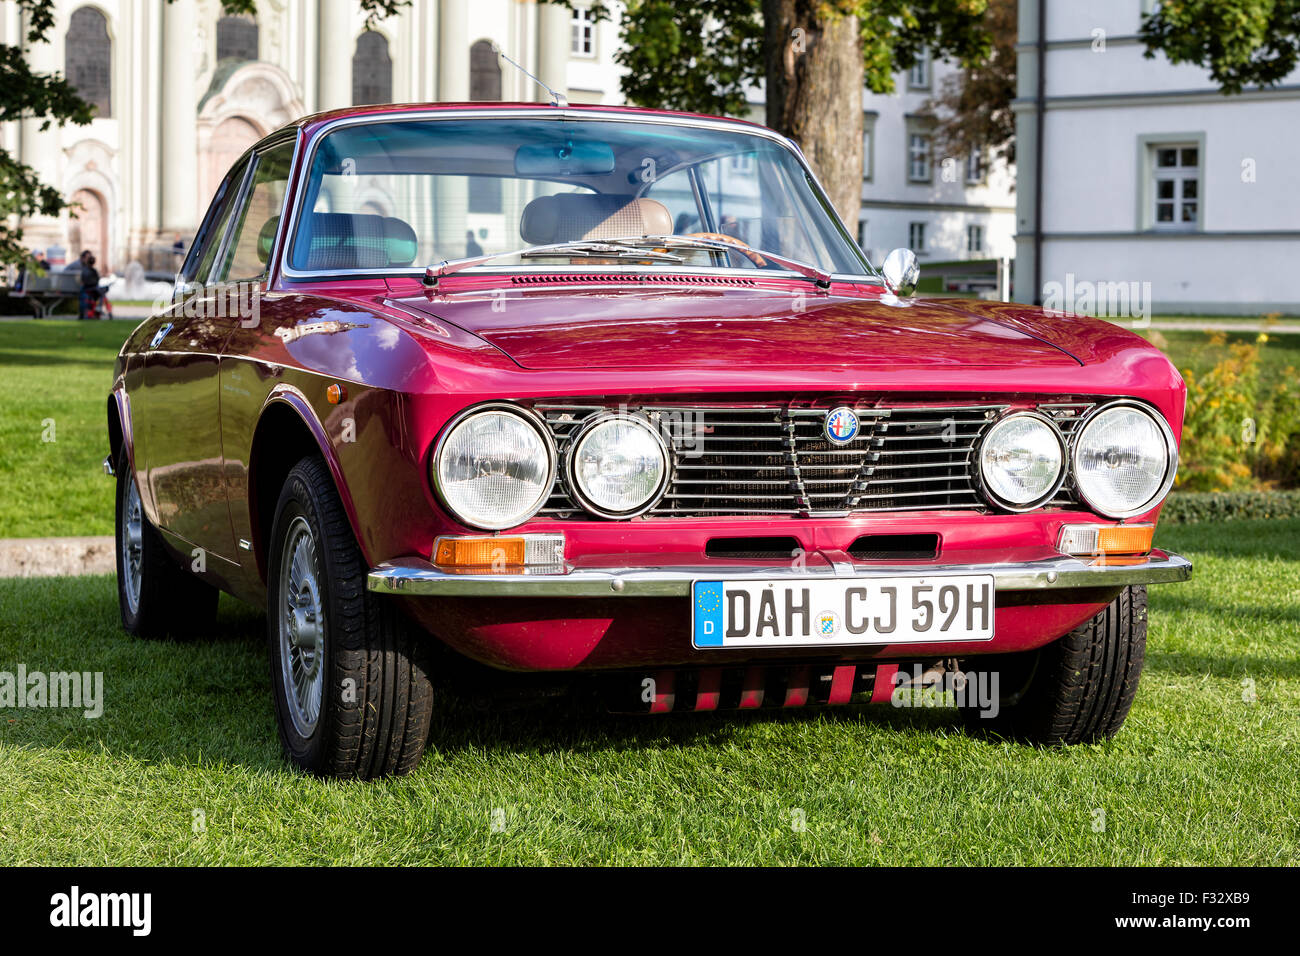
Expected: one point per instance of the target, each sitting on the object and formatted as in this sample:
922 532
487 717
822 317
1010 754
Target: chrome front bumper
413 576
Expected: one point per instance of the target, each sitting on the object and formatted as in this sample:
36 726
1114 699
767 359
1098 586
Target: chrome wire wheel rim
302 628
130 542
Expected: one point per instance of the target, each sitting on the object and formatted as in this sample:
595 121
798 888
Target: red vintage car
612 394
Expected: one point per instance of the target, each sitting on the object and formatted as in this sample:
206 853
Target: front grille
777 460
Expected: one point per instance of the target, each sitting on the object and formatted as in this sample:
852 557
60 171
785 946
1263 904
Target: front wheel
1078 689
352 694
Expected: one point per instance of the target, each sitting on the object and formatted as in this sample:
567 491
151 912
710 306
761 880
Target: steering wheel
741 247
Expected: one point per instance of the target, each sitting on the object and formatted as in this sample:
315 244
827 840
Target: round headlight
1124 460
1022 461
618 466
494 468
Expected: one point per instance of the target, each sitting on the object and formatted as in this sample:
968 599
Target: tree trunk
814 94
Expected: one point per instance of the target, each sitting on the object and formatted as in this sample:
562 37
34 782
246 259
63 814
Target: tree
813 56
1241 42
50 98
973 107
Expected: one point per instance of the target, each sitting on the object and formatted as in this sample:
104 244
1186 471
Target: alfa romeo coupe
610 398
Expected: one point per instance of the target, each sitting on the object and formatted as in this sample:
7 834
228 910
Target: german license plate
826 613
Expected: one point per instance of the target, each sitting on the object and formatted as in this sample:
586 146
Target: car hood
598 328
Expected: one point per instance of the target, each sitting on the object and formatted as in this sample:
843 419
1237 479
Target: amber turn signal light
493 554
479 552
336 394
1099 539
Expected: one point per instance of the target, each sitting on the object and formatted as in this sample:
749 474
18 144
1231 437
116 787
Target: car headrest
339 240
569 216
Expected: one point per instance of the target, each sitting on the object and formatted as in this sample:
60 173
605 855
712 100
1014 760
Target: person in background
178 250
472 248
89 285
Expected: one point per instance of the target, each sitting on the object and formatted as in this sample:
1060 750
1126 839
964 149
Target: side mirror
901 272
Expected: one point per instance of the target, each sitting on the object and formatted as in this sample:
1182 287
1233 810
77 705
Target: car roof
312 122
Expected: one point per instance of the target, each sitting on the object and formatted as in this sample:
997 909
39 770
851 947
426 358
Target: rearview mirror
569 158
901 272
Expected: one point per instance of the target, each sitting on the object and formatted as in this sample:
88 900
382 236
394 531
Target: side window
249 249
208 238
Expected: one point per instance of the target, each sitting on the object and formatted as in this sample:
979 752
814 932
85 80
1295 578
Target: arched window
484 72
372 70
89 59
236 38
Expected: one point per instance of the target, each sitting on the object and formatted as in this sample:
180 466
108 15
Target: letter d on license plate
817 613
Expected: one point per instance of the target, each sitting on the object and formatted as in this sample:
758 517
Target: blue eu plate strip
708 613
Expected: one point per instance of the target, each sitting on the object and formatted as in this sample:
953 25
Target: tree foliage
973 106
1241 42
50 98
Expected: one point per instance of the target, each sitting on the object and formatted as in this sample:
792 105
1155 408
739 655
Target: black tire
375 699
1078 689
167 599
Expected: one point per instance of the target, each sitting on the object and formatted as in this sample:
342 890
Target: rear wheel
352 692
155 595
1078 689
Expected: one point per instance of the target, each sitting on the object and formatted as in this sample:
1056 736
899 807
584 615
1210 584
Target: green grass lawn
60 372
1198 775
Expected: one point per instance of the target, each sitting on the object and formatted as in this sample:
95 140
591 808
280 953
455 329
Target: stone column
335 44
451 199
553 41
453 57
180 160
40 149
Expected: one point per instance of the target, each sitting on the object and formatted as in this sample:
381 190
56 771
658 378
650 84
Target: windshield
400 194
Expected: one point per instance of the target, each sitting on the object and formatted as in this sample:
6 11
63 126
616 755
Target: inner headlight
1022 461
1124 461
618 466
494 468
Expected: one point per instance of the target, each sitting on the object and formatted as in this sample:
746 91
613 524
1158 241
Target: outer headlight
494 467
1022 461
618 466
1125 459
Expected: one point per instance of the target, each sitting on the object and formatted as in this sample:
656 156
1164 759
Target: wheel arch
287 430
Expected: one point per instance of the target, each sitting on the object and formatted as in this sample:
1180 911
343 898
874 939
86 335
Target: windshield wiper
820 276
581 248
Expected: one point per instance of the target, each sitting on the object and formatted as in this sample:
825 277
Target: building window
974 238
583 32
484 72
868 136
975 165
862 234
916 237
918 77
918 158
236 38
88 62
372 70
1176 186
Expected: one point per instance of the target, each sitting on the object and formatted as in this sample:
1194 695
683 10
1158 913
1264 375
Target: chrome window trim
308 155
274 141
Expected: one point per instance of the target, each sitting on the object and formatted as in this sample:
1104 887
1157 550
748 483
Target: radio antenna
557 99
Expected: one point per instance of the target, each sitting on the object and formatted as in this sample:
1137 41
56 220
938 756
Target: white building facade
1149 181
944 208
181 91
